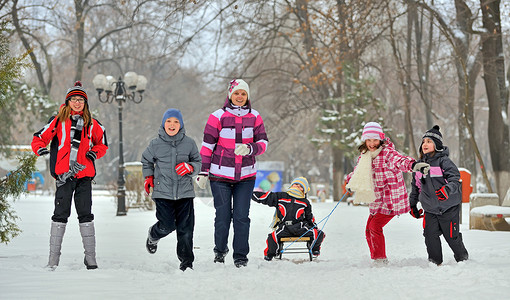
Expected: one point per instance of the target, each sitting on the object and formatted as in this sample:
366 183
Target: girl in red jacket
77 140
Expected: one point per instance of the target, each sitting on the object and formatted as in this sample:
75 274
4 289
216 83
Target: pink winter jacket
390 190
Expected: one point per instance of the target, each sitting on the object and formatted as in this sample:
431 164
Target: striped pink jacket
390 189
225 129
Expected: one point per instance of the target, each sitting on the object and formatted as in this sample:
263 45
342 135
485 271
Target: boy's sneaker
316 252
268 257
150 244
240 263
219 257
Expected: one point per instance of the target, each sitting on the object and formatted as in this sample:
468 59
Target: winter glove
416 213
91 155
243 149
183 169
42 151
442 193
421 167
202 180
149 182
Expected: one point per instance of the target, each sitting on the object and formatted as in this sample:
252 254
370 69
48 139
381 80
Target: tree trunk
338 173
80 36
466 75
494 78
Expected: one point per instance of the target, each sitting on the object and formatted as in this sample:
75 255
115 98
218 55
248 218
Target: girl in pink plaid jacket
377 180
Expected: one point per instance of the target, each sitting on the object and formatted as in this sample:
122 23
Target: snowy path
343 271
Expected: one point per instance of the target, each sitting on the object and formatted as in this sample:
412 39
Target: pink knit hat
372 130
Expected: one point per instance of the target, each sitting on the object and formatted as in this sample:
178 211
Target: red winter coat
93 138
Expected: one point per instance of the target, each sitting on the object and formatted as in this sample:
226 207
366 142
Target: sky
344 269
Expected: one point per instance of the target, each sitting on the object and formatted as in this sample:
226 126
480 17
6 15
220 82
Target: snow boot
88 236
219 257
56 236
241 263
151 244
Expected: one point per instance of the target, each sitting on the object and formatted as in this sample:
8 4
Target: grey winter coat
442 172
160 158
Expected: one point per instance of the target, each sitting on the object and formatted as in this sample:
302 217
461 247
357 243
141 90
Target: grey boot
88 236
56 236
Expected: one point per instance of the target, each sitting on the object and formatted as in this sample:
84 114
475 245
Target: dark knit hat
435 135
76 90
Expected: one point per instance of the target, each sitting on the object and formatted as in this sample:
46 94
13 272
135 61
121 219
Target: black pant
447 225
176 215
82 190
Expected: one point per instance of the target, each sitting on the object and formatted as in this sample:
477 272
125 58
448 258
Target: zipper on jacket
221 158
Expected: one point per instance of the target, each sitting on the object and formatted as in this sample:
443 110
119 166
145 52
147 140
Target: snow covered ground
343 271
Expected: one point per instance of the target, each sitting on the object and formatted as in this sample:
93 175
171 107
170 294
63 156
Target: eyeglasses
79 100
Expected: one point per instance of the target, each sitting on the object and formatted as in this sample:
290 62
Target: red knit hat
76 90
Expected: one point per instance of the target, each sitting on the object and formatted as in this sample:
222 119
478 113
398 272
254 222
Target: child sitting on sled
294 216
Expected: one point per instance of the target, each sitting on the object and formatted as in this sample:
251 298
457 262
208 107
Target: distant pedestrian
440 196
377 180
169 162
77 140
233 136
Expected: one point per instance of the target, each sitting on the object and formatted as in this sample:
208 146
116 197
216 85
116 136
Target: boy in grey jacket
169 162
440 196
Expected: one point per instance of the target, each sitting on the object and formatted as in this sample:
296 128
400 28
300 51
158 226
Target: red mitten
442 194
149 182
183 168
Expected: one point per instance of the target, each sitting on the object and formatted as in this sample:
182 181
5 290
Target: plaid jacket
225 129
389 186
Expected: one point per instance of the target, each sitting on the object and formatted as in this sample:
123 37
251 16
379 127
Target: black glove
91 155
416 213
43 151
442 193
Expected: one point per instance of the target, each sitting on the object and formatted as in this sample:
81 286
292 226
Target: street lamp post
116 90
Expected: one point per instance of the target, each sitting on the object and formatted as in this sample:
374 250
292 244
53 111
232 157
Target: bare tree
496 89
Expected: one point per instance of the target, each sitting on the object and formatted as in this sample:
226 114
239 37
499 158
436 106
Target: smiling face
77 103
372 144
239 97
172 126
428 146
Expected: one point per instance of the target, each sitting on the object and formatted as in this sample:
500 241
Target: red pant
375 235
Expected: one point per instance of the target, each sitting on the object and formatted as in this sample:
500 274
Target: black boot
219 257
151 244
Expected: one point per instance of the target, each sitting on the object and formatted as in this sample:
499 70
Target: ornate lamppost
121 91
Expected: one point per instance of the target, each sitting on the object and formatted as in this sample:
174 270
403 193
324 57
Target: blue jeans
232 202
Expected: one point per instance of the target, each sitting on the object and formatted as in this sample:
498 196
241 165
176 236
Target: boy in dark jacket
294 215
440 196
169 162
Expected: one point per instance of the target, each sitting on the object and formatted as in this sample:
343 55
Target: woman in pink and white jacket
377 180
233 136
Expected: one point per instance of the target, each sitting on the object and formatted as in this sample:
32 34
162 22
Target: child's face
428 146
172 126
77 103
298 186
372 144
239 97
